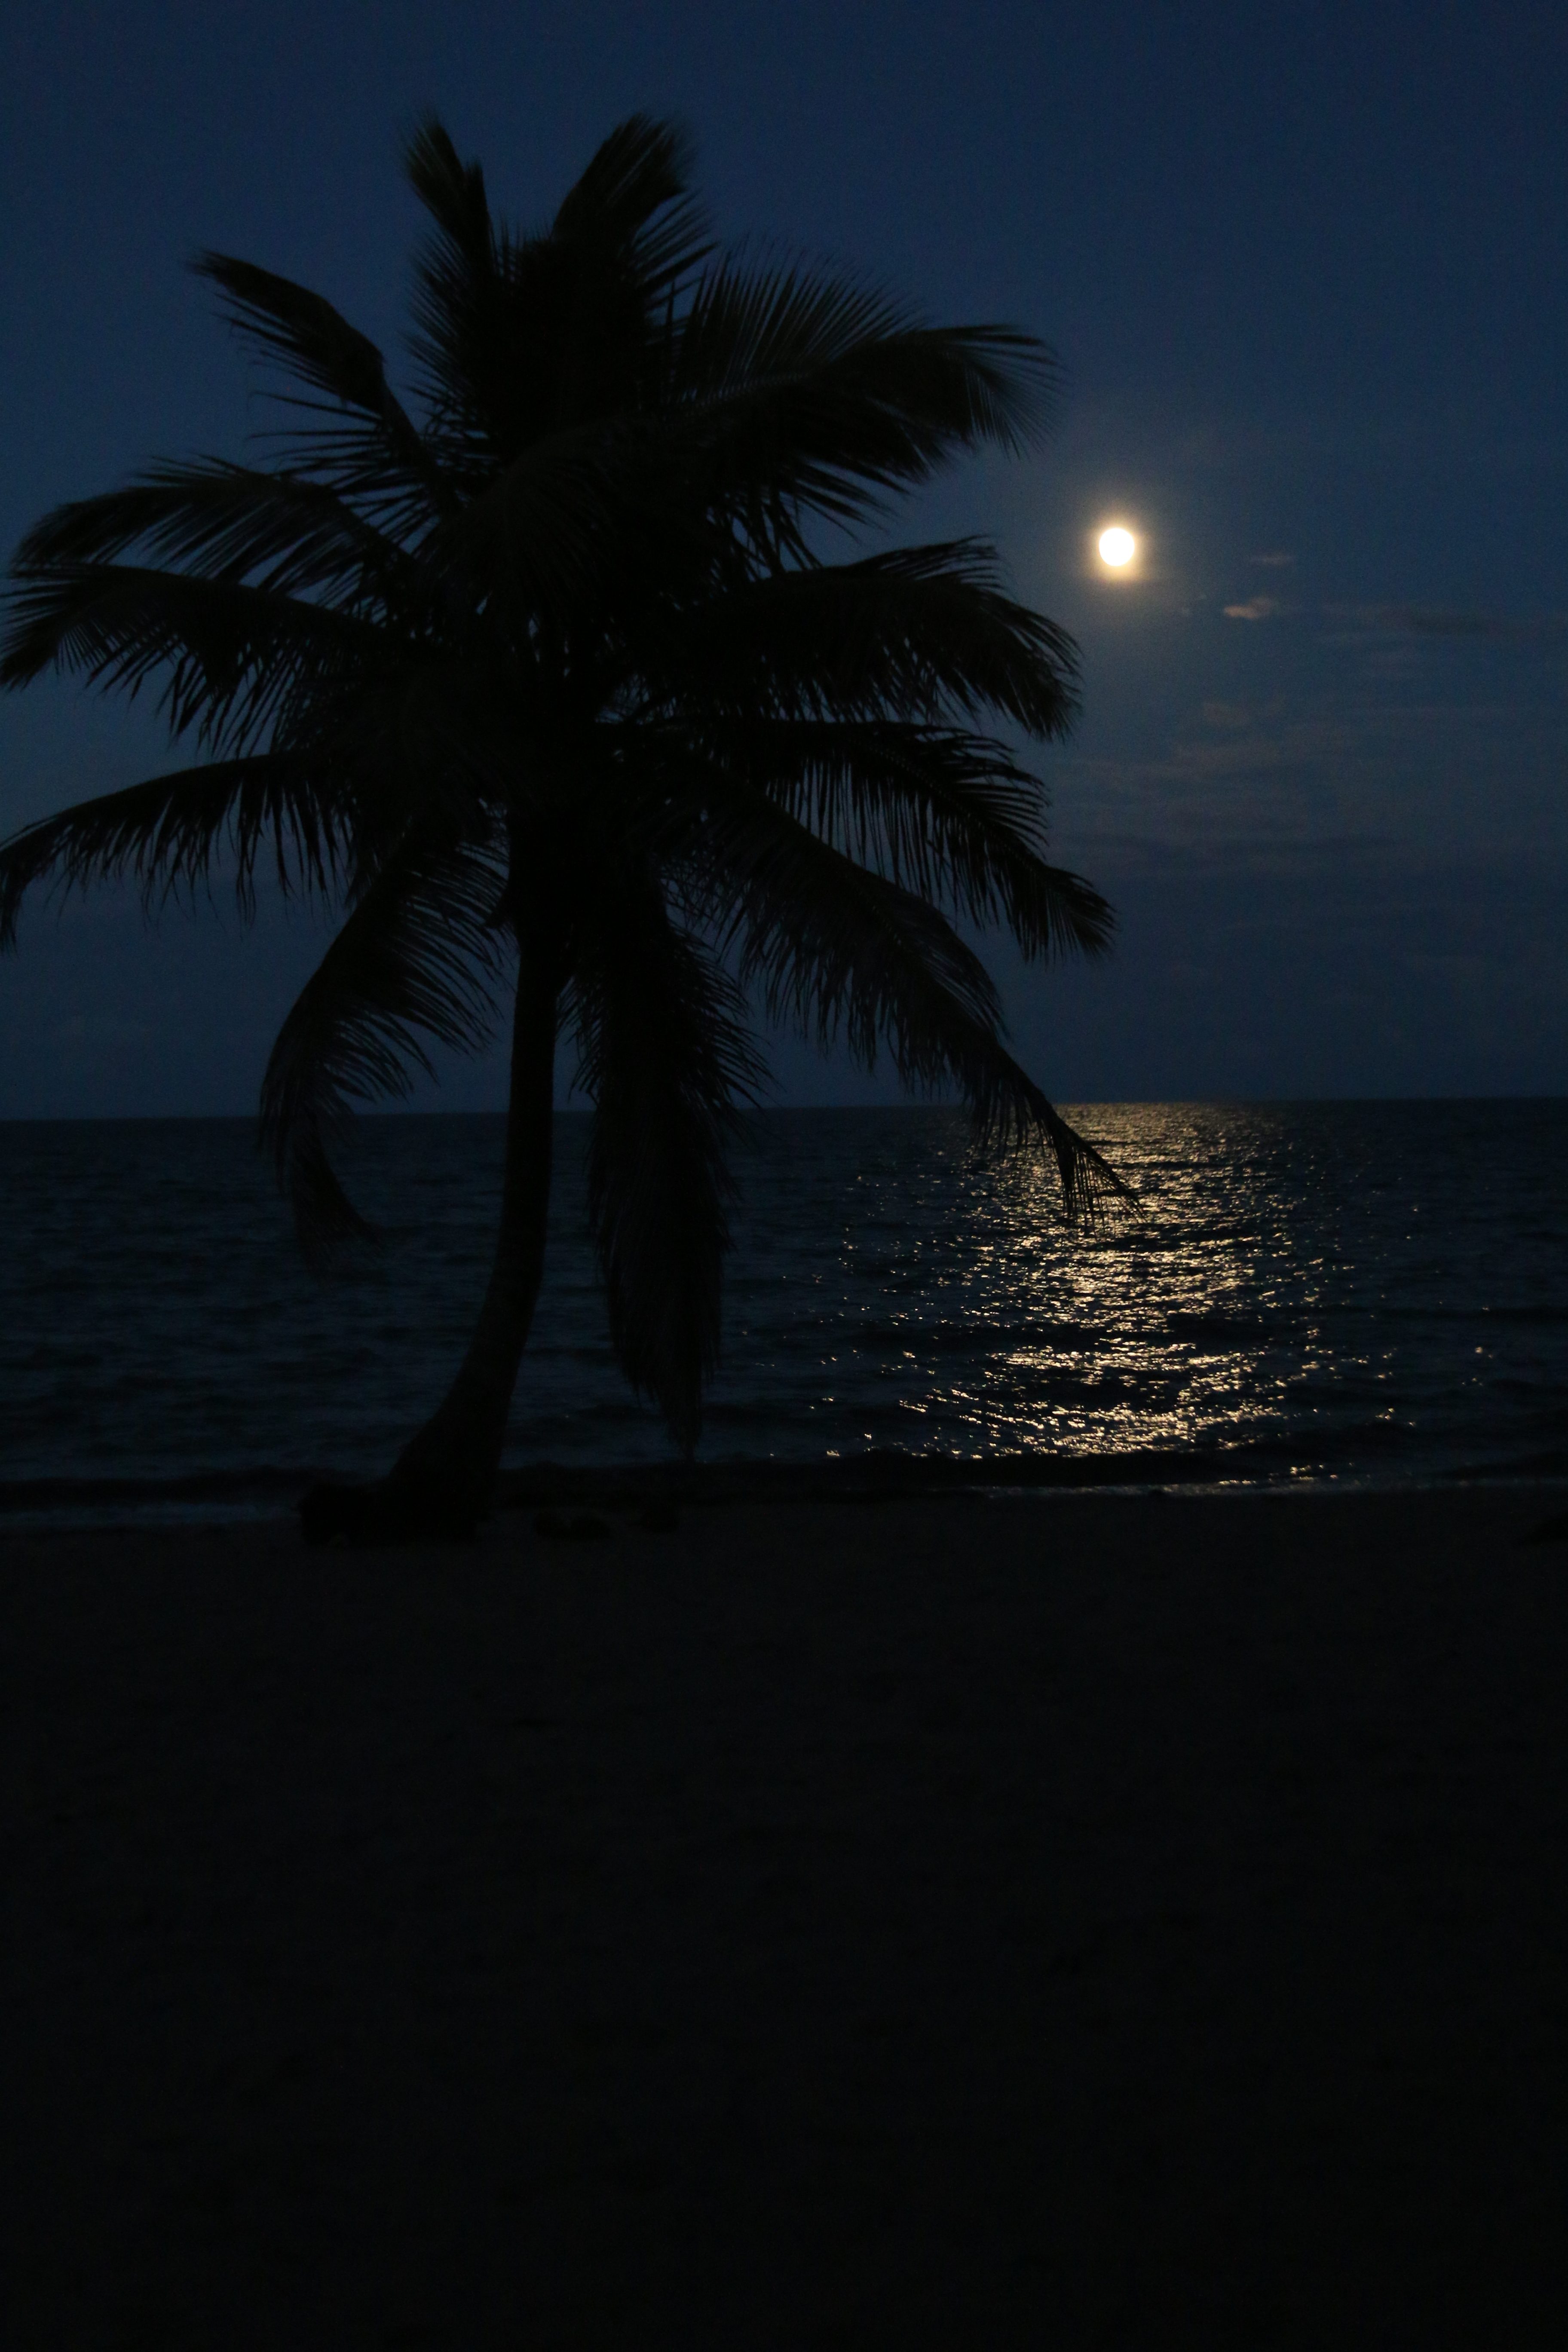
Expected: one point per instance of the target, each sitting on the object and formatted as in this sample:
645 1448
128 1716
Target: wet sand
1066 1921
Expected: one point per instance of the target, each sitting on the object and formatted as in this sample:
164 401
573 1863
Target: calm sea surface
1350 1291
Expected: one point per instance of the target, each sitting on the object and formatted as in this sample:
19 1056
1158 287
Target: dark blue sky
1305 265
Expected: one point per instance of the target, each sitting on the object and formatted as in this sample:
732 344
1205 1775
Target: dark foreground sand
1074 1921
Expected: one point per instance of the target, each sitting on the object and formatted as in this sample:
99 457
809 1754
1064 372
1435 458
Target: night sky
1305 268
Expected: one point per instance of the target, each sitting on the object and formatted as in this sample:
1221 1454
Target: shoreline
1135 1921
218 1498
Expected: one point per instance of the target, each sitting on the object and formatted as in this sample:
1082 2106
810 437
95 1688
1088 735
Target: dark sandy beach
1064 1921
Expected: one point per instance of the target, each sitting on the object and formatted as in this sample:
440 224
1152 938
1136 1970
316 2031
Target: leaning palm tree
550 686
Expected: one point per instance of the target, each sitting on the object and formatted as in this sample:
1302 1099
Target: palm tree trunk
444 1480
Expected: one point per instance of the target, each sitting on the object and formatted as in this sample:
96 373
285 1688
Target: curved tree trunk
444 1480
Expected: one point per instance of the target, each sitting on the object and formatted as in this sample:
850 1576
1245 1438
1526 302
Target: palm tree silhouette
557 695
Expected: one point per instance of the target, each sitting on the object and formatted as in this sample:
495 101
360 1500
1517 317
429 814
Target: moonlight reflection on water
1326 1286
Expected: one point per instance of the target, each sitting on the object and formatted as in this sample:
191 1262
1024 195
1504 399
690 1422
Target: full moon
1117 547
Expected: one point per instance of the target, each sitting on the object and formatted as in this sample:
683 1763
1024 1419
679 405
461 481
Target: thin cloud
1440 621
1440 778
1256 608
1276 561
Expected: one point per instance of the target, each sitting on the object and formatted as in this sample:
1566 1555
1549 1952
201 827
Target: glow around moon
1117 547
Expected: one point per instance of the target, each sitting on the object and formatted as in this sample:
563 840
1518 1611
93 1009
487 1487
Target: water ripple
1344 1288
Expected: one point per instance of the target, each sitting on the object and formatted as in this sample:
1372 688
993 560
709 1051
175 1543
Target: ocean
1344 1292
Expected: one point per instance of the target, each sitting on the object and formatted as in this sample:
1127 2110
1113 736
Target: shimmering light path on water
1341 1289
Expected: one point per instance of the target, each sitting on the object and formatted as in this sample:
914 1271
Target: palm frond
921 632
453 194
946 815
166 832
665 1055
459 342
416 959
543 531
234 522
832 394
843 953
301 333
517 339
633 202
229 654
